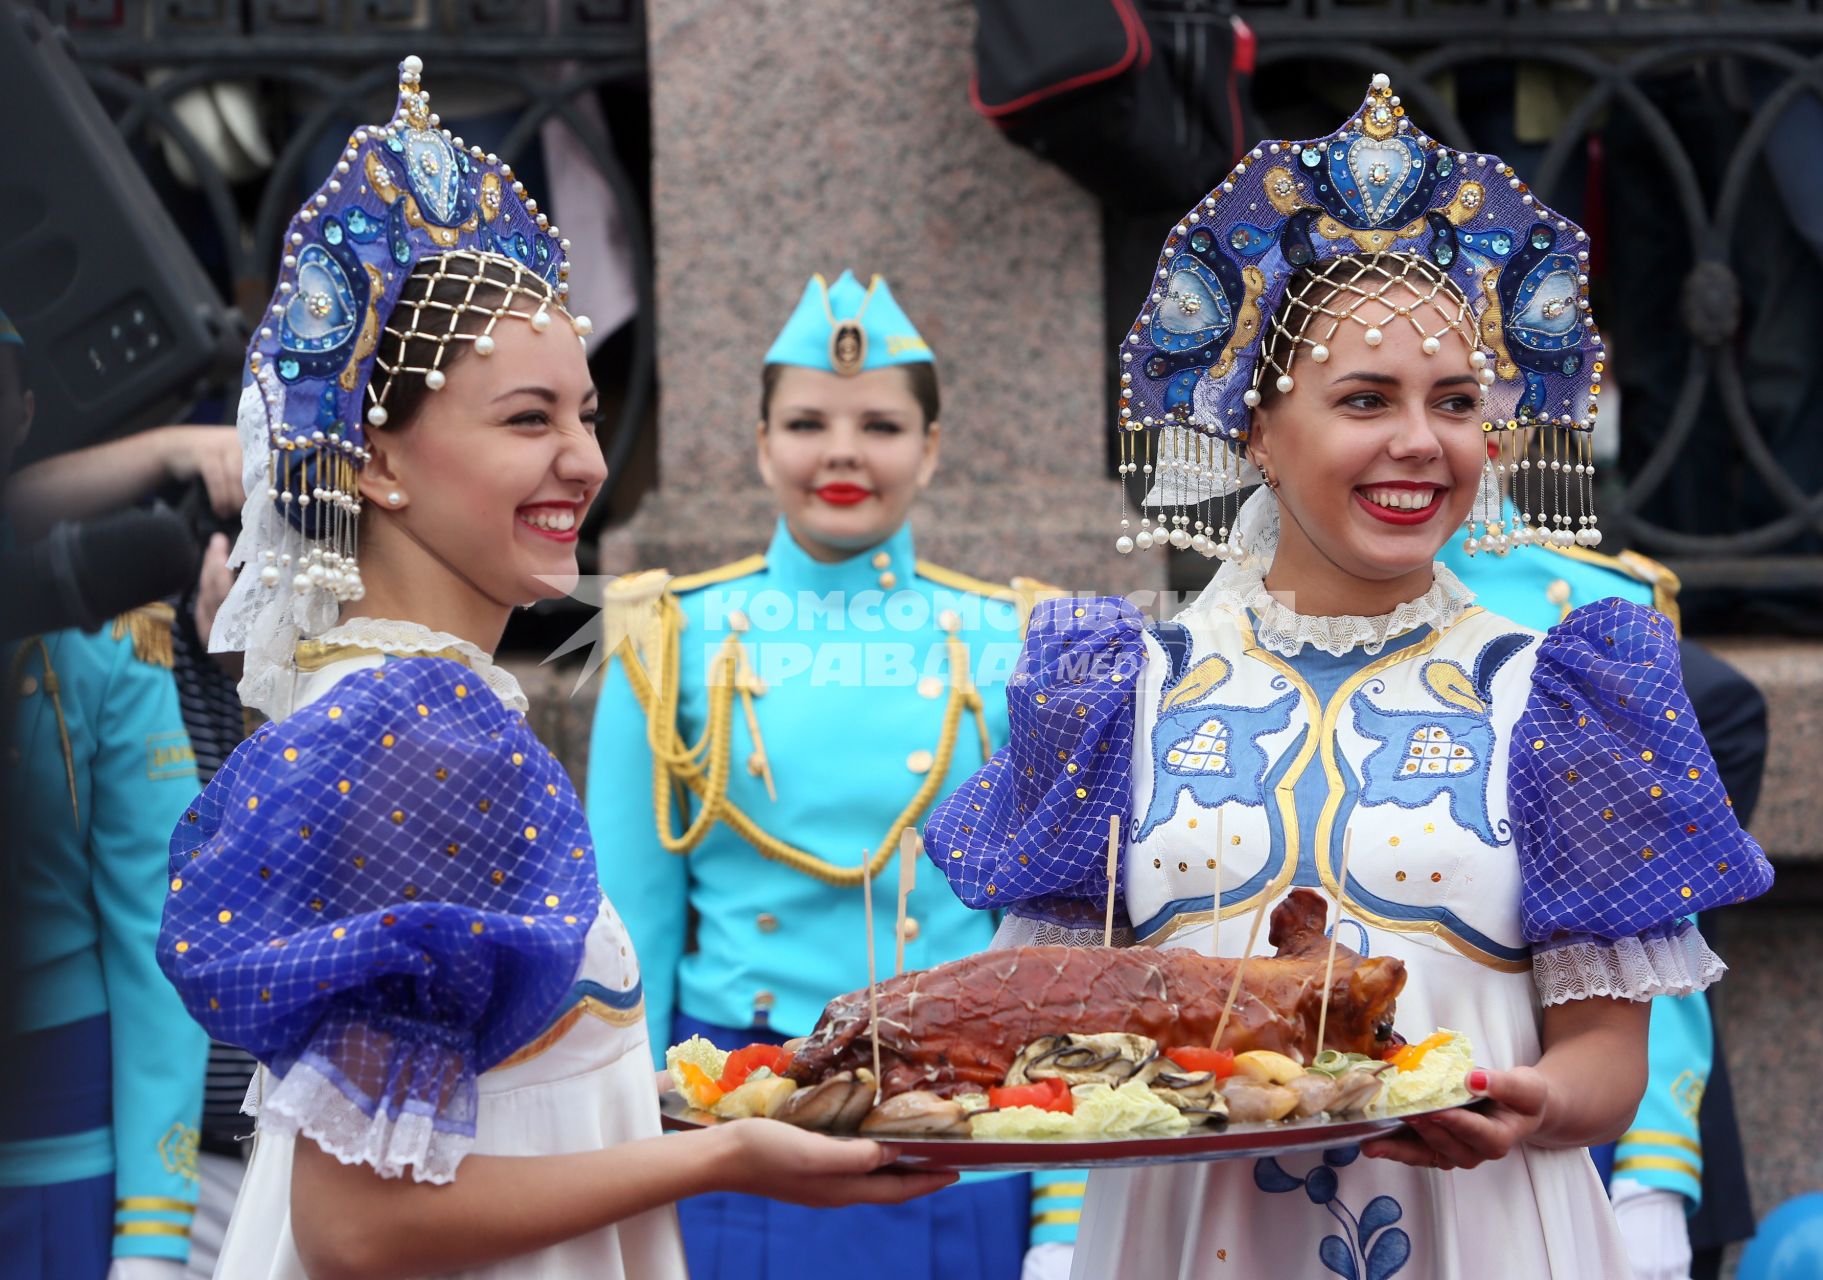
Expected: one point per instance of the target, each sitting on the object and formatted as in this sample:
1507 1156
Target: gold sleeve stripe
1058 1190
151 1229
1659 1138
1057 1218
153 1204
1658 1164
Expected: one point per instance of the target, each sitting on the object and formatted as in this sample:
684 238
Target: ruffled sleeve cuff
1671 962
1029 832
388 1093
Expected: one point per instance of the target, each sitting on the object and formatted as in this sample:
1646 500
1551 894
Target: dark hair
922 377
406 392
1281 334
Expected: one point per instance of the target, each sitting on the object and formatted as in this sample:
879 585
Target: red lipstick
1397 515
843 495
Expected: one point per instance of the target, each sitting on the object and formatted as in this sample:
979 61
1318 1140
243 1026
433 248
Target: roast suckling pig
958 1027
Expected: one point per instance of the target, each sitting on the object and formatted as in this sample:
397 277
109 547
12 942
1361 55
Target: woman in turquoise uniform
773 730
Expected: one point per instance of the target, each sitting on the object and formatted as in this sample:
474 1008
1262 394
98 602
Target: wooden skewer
1329 963
1215 904
1107 928
908 880
1234 987
873 989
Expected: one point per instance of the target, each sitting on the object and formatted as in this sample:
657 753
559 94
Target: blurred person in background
840 684
103 1081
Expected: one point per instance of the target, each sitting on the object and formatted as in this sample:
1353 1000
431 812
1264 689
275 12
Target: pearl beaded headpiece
1303 237
402 193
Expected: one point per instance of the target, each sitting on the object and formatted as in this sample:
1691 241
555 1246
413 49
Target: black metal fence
1688 134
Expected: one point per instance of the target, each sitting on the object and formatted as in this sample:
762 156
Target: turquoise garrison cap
846 329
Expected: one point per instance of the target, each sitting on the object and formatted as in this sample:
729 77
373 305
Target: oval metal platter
1230 1142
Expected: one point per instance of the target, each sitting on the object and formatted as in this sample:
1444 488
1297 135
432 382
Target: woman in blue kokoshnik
389 895
1369 323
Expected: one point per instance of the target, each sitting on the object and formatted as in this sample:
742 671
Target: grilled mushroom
917 1113
835 1105
1111 1058
1251 1102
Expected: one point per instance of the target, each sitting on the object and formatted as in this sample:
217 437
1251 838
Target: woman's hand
1462 1139
782 1162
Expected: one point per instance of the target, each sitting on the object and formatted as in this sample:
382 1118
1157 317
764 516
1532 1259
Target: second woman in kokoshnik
388 895
1526 821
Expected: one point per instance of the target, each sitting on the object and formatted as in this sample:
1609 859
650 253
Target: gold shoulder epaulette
1022 593
150 627
726 573
1640 568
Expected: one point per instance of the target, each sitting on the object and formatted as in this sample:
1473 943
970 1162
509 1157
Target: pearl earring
394 498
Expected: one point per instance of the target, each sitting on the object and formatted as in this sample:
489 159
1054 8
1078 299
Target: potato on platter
1266 1066
761 1097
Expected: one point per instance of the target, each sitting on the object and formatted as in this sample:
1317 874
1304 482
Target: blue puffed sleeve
1624 827
1029 831
380 898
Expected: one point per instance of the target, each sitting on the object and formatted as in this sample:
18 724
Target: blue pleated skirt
976 1230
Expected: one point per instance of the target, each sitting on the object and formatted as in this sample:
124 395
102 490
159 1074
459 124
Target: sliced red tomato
1199 1058
1046 1095
744 1062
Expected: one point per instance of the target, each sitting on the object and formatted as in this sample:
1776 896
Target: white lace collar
391 636
1285 631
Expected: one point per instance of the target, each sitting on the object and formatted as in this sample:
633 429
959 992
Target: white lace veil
260 619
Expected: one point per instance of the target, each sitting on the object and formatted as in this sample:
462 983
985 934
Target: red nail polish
1477 1082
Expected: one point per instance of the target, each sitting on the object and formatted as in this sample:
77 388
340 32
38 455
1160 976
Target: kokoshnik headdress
1457 229
333 343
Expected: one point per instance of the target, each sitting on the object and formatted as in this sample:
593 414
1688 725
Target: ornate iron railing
333 63
1738 507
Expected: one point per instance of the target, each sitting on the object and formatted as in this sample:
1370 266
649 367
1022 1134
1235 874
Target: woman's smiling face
496 470
845 457
1377 452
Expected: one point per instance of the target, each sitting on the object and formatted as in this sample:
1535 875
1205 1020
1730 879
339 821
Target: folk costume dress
769 727
389 897
1498 789
1523 819
387 894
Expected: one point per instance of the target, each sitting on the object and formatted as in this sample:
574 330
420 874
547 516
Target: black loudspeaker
117 314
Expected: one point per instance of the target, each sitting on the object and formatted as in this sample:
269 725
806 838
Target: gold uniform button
888 581
930 687
882 559
911 930
920 761
766 922
28 686
763 1000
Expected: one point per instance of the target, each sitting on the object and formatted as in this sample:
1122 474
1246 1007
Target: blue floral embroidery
1419 755
1370 1247
1228 766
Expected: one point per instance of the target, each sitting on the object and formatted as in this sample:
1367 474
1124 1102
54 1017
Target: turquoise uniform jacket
1536 587
876 687
99 771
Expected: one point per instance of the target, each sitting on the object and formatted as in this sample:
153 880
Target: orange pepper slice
699 1089
1408 1058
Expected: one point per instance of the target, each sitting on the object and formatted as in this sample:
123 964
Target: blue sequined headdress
1303 237
343 329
